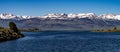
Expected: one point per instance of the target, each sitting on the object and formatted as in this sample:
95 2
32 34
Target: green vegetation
10 33
115 29
13 27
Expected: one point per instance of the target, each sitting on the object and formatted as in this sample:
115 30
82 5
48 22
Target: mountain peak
62 16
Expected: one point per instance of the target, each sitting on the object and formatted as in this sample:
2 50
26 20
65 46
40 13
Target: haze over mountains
81 21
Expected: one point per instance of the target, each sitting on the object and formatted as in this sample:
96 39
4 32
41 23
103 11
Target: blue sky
42 7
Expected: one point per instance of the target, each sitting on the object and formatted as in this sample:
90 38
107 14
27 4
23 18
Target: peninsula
10 33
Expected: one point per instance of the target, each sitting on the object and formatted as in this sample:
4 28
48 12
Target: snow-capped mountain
110 16
11 16
62 16
69 16
82 15
7 16
81 21
55 16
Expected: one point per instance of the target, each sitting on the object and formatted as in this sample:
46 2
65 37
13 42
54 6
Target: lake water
61 41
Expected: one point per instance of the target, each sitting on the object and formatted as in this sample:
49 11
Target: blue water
60 41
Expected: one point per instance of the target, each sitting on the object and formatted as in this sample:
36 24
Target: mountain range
81 21
61 16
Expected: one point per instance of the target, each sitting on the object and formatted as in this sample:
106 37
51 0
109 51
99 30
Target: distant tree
13 27
36 29
115 28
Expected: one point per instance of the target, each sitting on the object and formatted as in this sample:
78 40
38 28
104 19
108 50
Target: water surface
61 41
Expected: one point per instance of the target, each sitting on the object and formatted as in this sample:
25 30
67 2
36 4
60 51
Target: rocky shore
10 33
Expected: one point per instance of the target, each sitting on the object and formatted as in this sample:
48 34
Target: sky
43 7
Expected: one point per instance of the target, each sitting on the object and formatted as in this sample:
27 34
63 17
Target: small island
10 33
115 29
